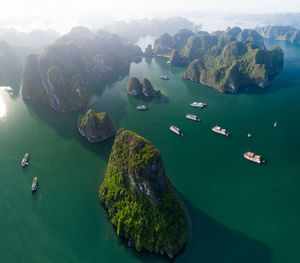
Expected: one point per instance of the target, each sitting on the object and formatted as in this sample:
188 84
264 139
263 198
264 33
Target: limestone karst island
149 132
224 60
139 198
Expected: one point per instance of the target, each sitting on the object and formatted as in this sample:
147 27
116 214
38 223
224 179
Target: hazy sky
63 14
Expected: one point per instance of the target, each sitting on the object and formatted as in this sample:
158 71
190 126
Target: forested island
139 198
62 75
135 87
224 60
96 127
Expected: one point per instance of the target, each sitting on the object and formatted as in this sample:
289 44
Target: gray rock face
96 127
141 88
288 33
135 181
10 64
100 68
148 51
61 76
155 175
164 44
133 92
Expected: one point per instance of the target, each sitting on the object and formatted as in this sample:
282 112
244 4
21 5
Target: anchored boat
34 184
164 77
199 105
176 130
25 160
220 130
141 107
254 158
192 117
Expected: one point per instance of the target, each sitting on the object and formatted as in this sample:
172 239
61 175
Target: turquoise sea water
240 211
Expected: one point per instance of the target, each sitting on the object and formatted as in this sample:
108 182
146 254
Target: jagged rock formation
175 59
96 127
166 43
34 38
66 69
225 60
163 45
288 33
139 198
10 64
141 88
134 29
148 51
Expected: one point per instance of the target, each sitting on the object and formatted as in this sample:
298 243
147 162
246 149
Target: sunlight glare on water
2 107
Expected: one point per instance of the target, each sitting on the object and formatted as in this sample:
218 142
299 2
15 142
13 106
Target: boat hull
194 119
222 133
34 184
255 160
24 161
176 131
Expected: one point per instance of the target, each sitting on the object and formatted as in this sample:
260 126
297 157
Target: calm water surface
240 211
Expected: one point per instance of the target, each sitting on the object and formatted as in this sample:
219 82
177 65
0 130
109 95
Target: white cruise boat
220 130
199 105
176 130
142 107
34 184
254 158
25 160
192 117
164 77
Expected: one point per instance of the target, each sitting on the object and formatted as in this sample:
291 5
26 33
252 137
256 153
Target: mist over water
238 211
143 42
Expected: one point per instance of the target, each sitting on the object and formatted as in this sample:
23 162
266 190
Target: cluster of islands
288 33
137 195
224 60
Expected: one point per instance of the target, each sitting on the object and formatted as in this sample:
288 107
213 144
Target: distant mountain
134 29
225 60
15 46
62 75
273 19
35 38
10 64
288 33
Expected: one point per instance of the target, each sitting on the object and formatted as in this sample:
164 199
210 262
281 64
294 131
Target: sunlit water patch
2 107
6 89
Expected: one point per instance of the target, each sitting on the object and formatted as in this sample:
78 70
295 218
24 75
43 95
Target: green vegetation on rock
32 84
225 60
141 88
163 45
67 68
96 127
139 198
134 87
